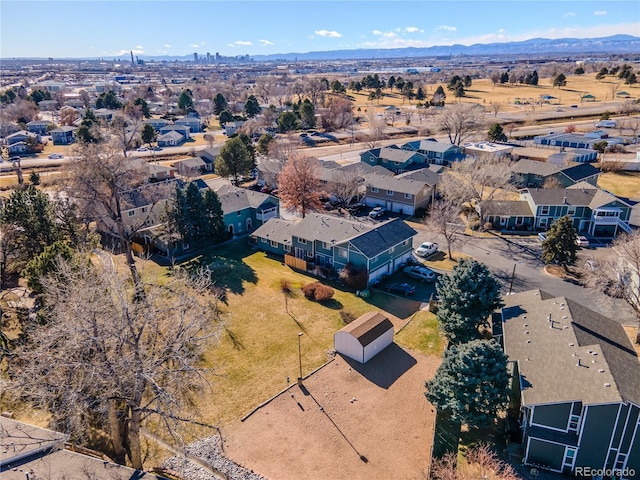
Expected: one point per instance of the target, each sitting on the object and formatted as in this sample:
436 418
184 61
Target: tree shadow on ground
386 367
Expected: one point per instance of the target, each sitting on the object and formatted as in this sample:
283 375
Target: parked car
582 241
426 249
377 212
419 272
400 288
142 149
56 156
356 208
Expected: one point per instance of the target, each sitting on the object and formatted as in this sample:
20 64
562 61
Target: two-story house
245 210
595 212
440 153
531 173
575 386
185 132
194 123
39 126
157 123
63 135
400 193
394 158
326 244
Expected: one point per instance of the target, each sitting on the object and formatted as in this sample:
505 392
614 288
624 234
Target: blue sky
110 29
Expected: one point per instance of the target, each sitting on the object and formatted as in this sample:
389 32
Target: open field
622 184
483 91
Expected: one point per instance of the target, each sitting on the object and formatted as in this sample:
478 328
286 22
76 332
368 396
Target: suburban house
394 158
437 152
397 193
594 212
531 173
22 136
245 210
63 135
575 386
365 337
170 139
337 183
323 245
157 123
158 173
231 128
39 126
191 167
194 123
185 132
268 171
209 156
30 452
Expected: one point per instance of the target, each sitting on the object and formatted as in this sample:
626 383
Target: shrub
347 317
354 277
317 291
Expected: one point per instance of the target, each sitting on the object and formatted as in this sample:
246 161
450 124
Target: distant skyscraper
208 57
195 57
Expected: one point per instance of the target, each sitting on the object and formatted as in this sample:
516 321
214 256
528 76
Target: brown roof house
364 338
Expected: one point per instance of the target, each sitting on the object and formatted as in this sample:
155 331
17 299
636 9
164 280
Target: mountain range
615 44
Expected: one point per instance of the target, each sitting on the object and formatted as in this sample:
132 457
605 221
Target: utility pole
300 359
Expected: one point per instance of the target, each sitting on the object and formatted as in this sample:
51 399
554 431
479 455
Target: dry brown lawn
622 184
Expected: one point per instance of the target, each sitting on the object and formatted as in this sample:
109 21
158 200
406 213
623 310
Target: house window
405 243
325 245
131 213
274 244
544 210
144 209
408 195
302 241
238 213
342 253
390 192
264 240
573 422
374 190
571 210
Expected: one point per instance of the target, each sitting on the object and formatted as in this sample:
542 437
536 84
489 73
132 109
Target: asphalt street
501 256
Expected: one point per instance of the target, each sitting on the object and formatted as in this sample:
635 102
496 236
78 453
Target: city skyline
98 29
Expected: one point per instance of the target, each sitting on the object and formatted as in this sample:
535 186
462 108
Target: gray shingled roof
580 356
276 230
329 229
514 208
580 194
236 199
382 237
396 154
534 167
424 175
395 184
170 135
364 169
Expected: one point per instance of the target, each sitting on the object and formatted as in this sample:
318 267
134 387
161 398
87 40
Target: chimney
564 200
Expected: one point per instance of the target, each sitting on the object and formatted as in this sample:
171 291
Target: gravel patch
208 452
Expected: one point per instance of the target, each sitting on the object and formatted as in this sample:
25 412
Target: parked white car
420 272
582 241
56 156
426 249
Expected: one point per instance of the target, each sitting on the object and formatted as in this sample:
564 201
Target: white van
606 124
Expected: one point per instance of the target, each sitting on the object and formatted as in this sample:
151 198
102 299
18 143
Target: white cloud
166 45
126 52
139 47
266 42
242 43
600 12
447 28
194 45
377 32
569 14
413 30
328 33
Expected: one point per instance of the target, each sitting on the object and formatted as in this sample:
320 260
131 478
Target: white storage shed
365 337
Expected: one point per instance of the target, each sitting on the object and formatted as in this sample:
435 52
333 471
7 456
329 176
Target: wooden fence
297 263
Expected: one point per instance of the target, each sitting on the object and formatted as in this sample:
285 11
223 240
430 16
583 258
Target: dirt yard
348 421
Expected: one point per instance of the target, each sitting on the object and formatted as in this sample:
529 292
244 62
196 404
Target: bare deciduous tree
613 88
444 219
496 107
109 360
482 462
460 121
618 274
376 130
299 184
477 180
345 185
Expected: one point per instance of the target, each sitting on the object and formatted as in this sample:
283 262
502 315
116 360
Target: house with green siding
327 244
245 210
575 386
